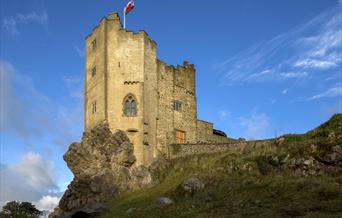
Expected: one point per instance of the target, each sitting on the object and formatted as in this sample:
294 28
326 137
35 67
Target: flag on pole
129 7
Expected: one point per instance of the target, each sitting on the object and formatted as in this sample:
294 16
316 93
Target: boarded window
180 137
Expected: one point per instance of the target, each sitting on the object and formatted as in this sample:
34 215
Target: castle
130 89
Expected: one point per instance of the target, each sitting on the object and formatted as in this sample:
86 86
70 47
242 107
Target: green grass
248 184
235 193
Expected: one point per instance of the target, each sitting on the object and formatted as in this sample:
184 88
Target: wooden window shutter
180 137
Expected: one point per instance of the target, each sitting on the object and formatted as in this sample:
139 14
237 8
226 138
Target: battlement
114 17
184 66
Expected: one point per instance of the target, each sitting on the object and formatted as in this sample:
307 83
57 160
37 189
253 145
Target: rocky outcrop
312 164
103 168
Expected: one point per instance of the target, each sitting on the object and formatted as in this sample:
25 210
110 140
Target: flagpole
124 11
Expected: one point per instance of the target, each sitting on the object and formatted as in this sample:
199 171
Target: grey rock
280 140
313 148
283 161
309 162
163 202
131 210
192 184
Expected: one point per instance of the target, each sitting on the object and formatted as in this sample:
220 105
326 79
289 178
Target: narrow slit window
93 107
93 44
93 71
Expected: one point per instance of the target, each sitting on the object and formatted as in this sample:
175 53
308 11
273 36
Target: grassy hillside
296 176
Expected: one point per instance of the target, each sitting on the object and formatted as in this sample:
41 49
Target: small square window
177 106
93 107
93 71
93 44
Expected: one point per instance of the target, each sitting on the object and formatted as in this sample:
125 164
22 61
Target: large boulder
192 185
104 167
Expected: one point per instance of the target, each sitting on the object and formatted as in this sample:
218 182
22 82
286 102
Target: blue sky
264 68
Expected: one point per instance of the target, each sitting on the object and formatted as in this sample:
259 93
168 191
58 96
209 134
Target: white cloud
317 64
292 75
47 203
27 114
21 114
332 92
38 172
256 125
28 179
284 91
79 51
11 23
223 114
301 52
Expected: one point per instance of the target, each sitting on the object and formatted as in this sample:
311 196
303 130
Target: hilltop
295 175
288 176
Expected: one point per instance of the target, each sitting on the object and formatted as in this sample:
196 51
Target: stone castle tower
130 89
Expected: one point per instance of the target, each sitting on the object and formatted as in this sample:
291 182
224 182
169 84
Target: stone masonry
121 63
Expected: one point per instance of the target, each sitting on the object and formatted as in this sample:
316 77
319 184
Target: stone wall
94 90
150 99
125 64
176 84
181 150
165 127
184 91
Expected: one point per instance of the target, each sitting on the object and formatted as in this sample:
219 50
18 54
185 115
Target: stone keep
122 66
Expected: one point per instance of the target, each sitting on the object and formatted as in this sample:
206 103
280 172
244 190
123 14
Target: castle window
180 137
93 71
93 107
93 44
130 106
177 106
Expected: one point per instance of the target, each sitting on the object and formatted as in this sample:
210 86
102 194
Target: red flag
129 7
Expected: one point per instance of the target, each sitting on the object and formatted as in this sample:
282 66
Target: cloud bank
32 117
29 113
256 125
28 180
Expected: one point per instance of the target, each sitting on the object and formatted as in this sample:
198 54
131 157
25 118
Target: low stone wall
181 150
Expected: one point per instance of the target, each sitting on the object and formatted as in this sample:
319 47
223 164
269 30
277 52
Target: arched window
130 106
